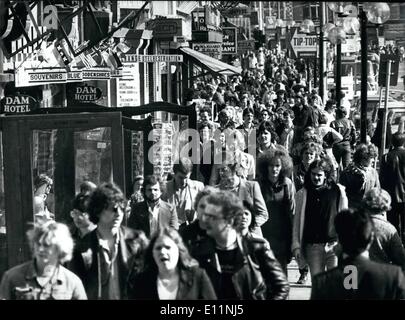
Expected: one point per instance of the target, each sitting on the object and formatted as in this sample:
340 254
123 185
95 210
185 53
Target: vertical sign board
230 42
126 86
162 148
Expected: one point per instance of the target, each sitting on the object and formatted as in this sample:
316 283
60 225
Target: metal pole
363 94
322 56
338 73
384 124
308 75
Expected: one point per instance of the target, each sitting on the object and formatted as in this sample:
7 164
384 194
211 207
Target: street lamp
376 13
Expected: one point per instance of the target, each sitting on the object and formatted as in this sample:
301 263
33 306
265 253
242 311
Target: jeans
320 257
342 153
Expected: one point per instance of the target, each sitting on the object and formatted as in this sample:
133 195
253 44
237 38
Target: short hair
323 119
201 194
185 165
87 187
100 199
42 179
53 233
268 157
205 109
185 259
341 112
364 152
80 202
355 231
377 200
151 180
230 203
323 164
398 139
247 111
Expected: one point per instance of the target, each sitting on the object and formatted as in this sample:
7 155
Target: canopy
212 64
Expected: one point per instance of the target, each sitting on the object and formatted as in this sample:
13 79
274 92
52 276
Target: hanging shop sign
74 76
301 42
210 49
97 74
36 77
154 58
245 45
84 94
230 42
17 104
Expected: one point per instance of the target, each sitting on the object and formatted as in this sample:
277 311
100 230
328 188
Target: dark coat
259 276
375 281
194 285
392 174
139 217
85 261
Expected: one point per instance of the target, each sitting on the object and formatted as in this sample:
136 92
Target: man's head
152 188
42 185
398 140
182 171
319 173
79 212
106 206
355 231
220 213
87 187
248 115
205 114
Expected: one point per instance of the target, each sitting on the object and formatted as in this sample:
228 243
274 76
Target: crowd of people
294 182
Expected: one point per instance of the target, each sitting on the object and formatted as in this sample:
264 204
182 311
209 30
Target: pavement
298 291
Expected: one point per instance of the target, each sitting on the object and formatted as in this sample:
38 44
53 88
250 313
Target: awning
212 64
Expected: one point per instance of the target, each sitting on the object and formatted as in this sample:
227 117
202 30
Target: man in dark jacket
239 268
357 277
392 179
153 213
101 258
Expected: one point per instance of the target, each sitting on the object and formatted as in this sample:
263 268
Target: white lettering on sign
51 18
16 109
96 75
17 100
153 58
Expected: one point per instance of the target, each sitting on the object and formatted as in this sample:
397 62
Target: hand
297 254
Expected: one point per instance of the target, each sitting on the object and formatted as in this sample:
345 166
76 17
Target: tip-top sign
301 42
17 104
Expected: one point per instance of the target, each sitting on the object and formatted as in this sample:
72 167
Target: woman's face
166 254
245 220
265 137
308 156
46 254
274 169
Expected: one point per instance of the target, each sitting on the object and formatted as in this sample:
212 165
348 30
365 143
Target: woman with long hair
169 272
278 193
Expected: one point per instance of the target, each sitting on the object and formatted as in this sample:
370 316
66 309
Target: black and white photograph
218 152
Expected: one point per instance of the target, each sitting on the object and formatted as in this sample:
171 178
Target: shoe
302 279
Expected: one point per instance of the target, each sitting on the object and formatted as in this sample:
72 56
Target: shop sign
97 74
229 44
74 76
207 47
245 45
86 93
17 104
301 42
36 77
154 58
165 28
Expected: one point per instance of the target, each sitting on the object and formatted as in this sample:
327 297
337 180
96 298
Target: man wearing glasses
238 267
101 257
81 219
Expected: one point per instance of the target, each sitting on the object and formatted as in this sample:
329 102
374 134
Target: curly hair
247 205
151 180
201 194
269 157
52 233
377 200
105 195
230 203
364 152
185 259
312 147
